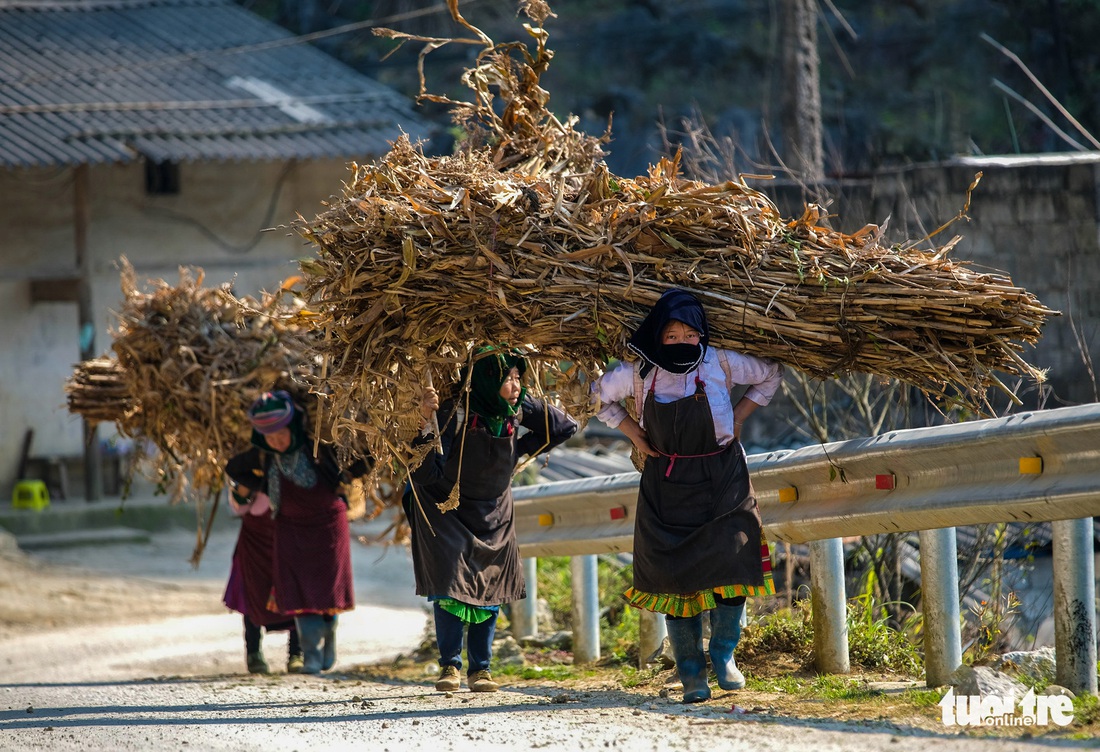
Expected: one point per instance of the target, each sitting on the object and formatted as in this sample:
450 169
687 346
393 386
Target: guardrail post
525 613
939 586
586 609
829 605
1074 605
651 634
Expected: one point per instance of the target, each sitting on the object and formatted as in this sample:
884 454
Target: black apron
473 556
698 526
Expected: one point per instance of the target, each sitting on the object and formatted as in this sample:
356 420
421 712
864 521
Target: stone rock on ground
1031 666
982 681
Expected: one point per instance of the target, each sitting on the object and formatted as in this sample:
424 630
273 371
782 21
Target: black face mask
680 357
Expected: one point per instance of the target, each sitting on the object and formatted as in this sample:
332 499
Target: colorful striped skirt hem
690 604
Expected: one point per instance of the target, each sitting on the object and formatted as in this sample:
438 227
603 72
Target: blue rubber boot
685 637
311 632
725 633
328 654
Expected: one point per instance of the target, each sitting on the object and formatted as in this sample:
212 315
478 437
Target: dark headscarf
674 305
490 372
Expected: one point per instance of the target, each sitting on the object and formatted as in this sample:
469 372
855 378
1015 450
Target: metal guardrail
1039 466
577 517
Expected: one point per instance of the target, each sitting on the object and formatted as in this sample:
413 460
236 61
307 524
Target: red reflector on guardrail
618 513
885 482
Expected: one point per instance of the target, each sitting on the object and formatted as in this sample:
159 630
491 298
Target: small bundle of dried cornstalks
525 238
98 390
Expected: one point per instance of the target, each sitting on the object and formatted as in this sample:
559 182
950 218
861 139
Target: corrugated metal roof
570 463
179 80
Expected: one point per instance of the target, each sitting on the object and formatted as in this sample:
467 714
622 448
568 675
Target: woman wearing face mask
466 559
698 544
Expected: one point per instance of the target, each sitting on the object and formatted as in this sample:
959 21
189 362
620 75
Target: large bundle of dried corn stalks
188 361
524 238
194 358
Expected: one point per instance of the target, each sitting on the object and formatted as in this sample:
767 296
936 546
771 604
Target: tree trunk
800 114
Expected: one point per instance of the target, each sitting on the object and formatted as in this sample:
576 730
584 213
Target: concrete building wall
231 219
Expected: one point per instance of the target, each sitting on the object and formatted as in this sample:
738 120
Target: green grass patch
787 684
923 698
1086 710
832 687
787 631
554 672
632 677
821 687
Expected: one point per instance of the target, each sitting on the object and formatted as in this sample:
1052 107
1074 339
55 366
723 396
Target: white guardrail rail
1039 466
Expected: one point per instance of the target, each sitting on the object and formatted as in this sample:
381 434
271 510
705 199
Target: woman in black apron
466 559
698 543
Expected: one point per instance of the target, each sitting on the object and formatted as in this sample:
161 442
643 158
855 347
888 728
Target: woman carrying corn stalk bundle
466 557
311 577
698 541
249 584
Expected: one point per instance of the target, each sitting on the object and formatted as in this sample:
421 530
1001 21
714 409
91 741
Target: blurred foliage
618 622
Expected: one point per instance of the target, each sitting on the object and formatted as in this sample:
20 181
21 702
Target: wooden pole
435 420
93 470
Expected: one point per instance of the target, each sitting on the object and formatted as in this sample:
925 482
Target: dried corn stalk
98 390
195 358
188 363
525 238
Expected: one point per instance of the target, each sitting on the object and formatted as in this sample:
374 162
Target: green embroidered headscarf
489 374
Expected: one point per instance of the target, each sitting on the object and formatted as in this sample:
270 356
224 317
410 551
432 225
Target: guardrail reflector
618 513
790 493
545 520
885 482
1031 465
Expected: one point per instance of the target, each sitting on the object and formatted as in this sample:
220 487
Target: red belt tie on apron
700 384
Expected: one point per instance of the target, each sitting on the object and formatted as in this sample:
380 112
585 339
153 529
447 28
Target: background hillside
901 81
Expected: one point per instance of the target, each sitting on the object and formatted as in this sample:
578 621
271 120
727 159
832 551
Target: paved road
178 684
389 617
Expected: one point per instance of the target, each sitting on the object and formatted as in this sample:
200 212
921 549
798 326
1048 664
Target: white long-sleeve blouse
762 376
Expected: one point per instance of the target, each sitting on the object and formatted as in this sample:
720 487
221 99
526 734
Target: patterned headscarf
271 411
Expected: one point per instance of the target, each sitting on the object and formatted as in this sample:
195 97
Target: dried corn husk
524 238
98 390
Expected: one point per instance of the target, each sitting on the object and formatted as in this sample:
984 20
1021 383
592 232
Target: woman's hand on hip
637 436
